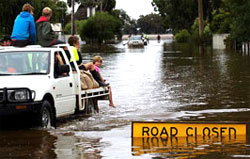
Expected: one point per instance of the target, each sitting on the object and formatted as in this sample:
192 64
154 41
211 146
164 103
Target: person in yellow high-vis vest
77 55
75 46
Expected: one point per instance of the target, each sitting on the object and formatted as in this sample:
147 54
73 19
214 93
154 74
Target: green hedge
182 36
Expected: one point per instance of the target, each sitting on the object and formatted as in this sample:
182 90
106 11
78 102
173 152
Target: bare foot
112 105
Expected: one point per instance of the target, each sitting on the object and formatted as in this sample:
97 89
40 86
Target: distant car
135 41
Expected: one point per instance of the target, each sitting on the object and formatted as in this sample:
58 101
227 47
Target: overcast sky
135 8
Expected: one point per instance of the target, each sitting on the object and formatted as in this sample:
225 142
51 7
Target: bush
221 22
79 26
102 26
67 28
182 36
207 33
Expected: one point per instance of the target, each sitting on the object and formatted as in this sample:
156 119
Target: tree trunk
200 7
72 17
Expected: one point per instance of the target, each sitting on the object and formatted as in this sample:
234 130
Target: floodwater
162 82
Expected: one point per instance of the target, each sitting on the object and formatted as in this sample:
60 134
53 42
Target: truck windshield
19 63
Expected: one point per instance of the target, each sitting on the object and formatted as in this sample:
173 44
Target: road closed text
150 129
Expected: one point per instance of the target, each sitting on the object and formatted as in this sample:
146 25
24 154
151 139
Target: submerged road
162 82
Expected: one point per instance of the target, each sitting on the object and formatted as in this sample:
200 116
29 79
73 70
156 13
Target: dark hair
73 40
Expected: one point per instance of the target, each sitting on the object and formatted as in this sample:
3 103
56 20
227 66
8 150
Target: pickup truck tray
95 92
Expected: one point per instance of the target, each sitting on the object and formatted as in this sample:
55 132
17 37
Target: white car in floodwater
135 41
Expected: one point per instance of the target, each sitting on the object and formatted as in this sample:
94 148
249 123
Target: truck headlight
20 95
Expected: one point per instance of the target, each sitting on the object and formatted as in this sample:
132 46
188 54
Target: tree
70 1
8 14
107 5
240 23
221 21
206 33
129 26
79 26
103 5
100 27
180 14
100 5
152 23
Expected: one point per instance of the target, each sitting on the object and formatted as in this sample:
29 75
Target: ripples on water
167 82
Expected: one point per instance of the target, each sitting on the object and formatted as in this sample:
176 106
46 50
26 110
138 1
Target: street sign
186 129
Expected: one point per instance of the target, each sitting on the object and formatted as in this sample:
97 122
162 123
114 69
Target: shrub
102 26
207 33
182 36
79 26
221 22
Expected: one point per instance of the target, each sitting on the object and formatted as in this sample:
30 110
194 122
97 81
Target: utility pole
200 10
72 17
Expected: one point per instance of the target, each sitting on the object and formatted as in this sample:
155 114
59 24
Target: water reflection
215 80
27 144
68 145
188 147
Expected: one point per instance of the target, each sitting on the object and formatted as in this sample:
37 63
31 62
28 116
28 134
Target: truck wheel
45 116
90 106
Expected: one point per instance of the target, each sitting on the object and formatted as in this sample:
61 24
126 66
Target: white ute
31 81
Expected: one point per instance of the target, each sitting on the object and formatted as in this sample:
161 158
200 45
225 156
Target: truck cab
32 80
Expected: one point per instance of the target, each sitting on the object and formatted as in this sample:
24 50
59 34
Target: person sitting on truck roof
6 41
45 35
74 43
24 30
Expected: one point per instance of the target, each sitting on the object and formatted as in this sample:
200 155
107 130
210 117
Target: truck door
65 99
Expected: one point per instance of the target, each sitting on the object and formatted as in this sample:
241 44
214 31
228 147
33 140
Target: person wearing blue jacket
24 30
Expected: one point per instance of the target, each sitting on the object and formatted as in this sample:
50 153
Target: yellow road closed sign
162 129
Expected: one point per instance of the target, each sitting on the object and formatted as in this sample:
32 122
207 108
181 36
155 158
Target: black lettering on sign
145 130
187 131
172 133
232 129
195 131
164 131
154 129
215 130
204 131
222 130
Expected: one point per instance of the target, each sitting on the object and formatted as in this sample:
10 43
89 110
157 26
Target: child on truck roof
24 30
45 35
74 43
97 61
